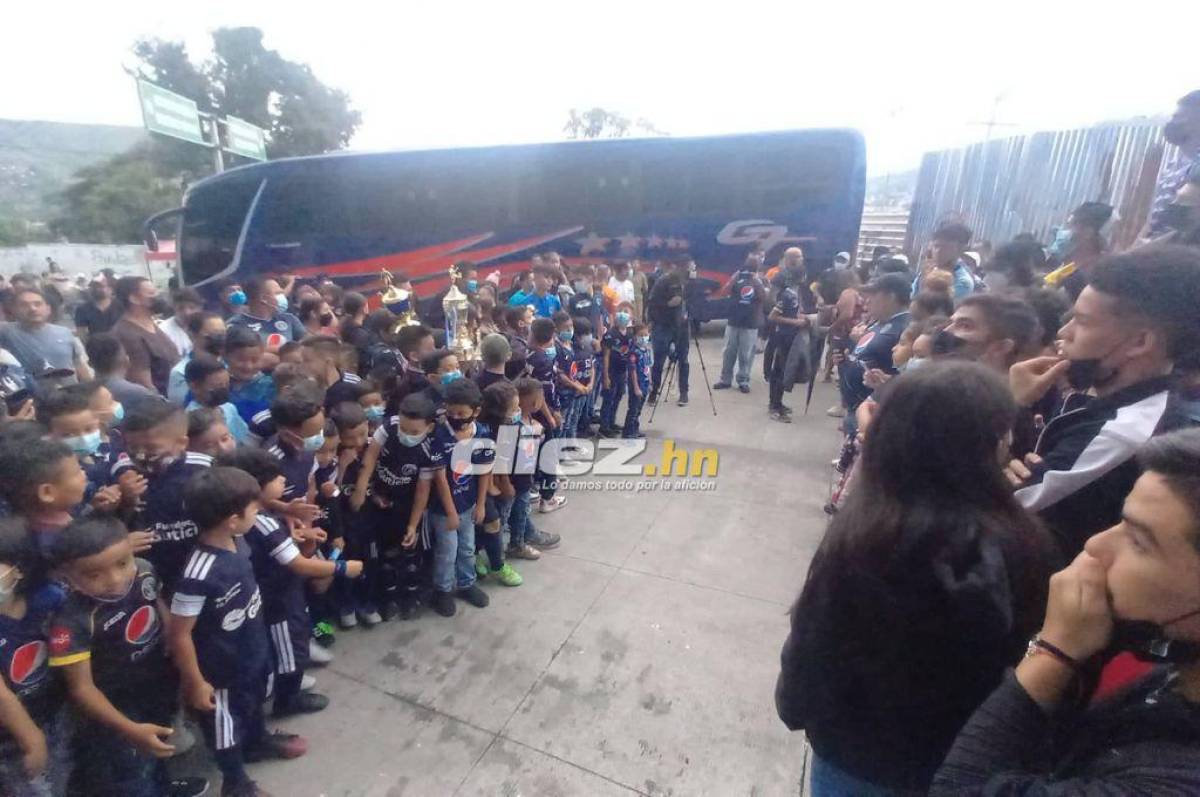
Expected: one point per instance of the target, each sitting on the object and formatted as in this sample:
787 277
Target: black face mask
161 306
945 343
458 424
326 319
1148 642
218 397
214 344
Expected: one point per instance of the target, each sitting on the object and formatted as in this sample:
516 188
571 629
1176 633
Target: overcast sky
913 76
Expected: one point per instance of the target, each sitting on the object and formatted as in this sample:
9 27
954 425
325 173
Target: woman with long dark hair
928 583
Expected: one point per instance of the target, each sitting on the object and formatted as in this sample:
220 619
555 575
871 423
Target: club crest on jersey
142 626
28 665
149 589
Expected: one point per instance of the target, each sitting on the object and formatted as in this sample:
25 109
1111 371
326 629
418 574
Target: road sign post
245 139
169 114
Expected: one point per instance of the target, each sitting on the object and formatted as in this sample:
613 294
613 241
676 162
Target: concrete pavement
638 658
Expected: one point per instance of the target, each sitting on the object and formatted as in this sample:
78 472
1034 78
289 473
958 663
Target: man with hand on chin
1135 588
1129 327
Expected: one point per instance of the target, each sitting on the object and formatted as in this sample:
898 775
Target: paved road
639 658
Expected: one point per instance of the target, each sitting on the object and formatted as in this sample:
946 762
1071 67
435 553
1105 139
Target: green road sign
245 139
170 114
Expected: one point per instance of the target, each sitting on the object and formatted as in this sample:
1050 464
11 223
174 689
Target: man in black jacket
1135 588
1129 329
667 310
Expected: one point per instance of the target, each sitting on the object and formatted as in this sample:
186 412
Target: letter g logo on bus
747 232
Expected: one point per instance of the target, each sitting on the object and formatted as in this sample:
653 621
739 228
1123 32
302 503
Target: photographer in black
794 313
667 310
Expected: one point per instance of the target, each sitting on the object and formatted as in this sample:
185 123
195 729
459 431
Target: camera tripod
669 375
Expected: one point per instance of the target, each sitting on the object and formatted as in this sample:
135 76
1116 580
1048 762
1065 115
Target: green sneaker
481 564
323 634
508 577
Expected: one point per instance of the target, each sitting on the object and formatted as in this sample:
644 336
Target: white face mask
9 580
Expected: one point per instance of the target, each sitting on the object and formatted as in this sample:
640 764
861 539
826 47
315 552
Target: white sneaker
370 618
318 655
553 504
347 620
307 682
836 411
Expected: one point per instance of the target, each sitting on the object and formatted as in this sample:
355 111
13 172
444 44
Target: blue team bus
350 215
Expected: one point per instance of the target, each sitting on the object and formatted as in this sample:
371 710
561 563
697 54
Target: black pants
780 351
661 339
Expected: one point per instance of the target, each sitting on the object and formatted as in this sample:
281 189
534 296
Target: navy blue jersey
543 368
25 659
620 344
345 389
787 304
297 467
517 365
160 510
583 366
564 361
124 642
641 360
272 549
262 427
329 499
400 466
747 292
251 398
218 589
464 485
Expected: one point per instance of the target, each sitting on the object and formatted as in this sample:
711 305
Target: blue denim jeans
829 781
739 348
573 408
453 552
661 340
519 524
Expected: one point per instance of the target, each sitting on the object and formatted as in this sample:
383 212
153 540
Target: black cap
898 285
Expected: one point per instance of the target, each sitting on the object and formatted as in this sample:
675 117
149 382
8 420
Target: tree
302 116
597 122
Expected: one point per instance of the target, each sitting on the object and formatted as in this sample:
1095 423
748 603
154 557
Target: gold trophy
401 302
458 329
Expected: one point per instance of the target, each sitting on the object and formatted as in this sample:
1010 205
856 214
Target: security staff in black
667 309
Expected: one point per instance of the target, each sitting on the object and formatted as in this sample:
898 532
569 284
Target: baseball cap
842 257
897 285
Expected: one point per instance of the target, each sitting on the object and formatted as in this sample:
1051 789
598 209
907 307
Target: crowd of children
183 560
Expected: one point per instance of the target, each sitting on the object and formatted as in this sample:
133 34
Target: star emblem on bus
592 243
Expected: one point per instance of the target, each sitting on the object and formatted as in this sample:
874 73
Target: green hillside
37 160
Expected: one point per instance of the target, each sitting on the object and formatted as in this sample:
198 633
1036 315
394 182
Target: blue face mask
84 445
451 376
515 417
410 440
237 298
281 302
623 319
585 341
644 340
118 413
314 443
567 335
1063 244
551 351
472 285
374 413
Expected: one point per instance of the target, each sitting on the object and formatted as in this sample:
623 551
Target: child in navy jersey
616 346
108 642
207 432
454 526
152 473
217 636
360 528
641 361
398 470
283 559
576 366
33 730
43 484
67 415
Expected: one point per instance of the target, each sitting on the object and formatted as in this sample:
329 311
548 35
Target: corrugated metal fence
1031 183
